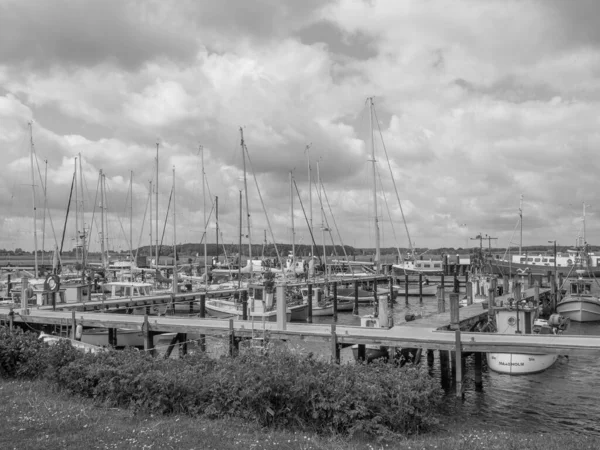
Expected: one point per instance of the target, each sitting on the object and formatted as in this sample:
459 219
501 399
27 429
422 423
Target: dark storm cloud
66 32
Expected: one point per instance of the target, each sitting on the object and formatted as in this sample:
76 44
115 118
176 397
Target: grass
35 417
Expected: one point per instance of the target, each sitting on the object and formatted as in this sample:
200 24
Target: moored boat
524 320
580 305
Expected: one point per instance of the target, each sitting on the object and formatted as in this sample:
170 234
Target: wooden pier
449 332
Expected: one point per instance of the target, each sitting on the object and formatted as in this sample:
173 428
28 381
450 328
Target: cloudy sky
476 103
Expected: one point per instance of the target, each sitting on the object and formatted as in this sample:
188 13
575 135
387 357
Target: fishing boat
426 290
132 289
321 306
411 265
364 296
522 318
262 305
579 304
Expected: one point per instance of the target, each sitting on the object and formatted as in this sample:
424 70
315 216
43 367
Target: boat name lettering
502 363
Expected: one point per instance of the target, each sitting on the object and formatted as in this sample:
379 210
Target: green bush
277 390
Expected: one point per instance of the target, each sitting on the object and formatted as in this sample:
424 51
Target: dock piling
454 311
309 317
441 300
335 348
148 336
420 288
458 364
335 302
202 315
355 310
406 289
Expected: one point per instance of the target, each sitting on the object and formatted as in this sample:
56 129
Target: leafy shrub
279 389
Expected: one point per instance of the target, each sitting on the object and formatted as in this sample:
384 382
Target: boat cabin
127 289
513 320
428 265
580 287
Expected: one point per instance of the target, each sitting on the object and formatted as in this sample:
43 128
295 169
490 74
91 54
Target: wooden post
517 293
454 313
148 336
202 315
458 368
406 289
478 371
244 295
183 344
191 308
362 352
491 302
420 288
73 325
335 302
536 292
233 342
309 317
112 337
375 299
391 289
355 310
8 285
441 300
281 308
456 285
24 299
444 366
430 358
335 349
11 320
529 279
54 301
469 287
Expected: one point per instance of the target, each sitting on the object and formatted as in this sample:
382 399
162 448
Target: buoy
78 332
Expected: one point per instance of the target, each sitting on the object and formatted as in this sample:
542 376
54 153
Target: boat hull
427 290
502 267
322 310
580 309
299 312
519 363
125 338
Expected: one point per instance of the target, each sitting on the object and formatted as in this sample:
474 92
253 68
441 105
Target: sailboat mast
583 245
240 247
217 224
45 209
521 224
76 212
310 214
376 219
33 198
246 195
131 219
322 212
150 215
102 219
83 234
174 239
292 217
156 187
204 219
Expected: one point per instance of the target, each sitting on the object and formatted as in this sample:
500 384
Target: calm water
564 398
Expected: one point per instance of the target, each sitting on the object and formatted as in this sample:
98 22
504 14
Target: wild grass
35 416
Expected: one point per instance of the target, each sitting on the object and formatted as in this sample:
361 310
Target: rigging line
387 206
307 222
263 205
393 180
62 242
119 221
325 221
48 210
335 225
165 225
137 250
93 215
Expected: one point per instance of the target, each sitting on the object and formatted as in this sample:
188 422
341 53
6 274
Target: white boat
261 306
419 266
50 339
427 290
132 289
319 308
524 320
579 304
372 352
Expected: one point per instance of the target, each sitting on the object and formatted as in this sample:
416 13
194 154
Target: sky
480 109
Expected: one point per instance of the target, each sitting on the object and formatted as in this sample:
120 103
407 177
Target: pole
376 219
175 284
204 215
37 274
217 223
156 187
243 145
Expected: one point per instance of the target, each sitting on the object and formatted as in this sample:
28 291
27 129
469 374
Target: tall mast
83 234
322 212
174 238
204 215
131 219
156 187
376 219
45 209
150 187
583 245
76 212
217 223
292 217
33 198
310 209
521 224
246 195
105 218
240 247
102 219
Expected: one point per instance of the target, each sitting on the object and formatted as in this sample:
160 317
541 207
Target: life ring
570 262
